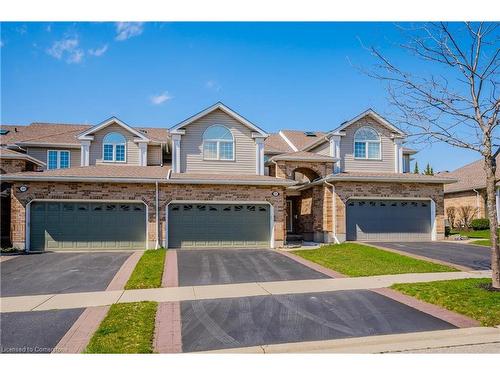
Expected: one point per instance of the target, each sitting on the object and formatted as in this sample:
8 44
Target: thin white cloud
98 51
213 85
67 49
23 29
161 98
126 30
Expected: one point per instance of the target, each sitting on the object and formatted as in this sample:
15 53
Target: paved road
250 321
59 272
35 331
475 257
211 267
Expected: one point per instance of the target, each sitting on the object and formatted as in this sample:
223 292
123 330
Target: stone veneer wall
467 198
146 194
286 168
12 166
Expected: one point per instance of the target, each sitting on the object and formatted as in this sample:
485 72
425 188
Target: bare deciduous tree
466 215
456 101
451 213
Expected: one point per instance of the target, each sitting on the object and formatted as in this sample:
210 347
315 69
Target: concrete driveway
472 256
35 331
211 267
59 272
250 321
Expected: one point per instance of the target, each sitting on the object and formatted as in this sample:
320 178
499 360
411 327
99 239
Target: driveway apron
35 331
472 256
213 267
250 321
50 273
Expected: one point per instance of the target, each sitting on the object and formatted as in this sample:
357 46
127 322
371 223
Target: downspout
477 203
157 246
334 207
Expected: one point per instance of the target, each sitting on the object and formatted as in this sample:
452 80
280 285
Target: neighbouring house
12 161
470 189
218 180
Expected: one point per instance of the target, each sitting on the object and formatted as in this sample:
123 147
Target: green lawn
353 259
482 242
473 233
148 271
128 328
462 296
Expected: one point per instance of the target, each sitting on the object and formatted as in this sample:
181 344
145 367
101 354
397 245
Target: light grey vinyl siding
349 163
40 153
322 149
192 147
154 155
96 145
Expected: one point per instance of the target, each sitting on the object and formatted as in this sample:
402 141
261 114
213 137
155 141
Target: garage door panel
385 220
218 225
86 225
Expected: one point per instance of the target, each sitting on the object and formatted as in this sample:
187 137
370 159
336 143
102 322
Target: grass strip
355 260
128 328
148 271
466 296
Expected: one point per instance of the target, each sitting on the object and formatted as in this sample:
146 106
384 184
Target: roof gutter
48 145
332 178
147 180
24 157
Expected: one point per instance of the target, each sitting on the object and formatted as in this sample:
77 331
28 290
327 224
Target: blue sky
278 75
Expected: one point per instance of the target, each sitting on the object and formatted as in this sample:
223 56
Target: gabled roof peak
112 120
219 106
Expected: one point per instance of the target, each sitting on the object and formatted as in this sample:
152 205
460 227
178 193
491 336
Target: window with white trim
58 159
367 144
218 143
114 147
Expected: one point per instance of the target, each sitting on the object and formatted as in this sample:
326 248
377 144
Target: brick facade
146 194
467 198
314 207
346 190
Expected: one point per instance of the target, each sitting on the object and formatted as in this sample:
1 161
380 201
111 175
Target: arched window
114 147
367 144
218 143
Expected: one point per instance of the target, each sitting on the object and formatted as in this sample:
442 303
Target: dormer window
114 147
367 144
218 143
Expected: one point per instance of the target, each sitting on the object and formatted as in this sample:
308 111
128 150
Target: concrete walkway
406 342
172 294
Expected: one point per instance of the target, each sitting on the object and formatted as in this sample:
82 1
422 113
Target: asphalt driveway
211 267
472 256
59 272
35 331
250 321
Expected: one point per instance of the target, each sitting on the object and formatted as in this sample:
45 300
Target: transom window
367 144
58 159
218 143
114 147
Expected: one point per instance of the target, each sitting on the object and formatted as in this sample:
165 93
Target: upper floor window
367 144
114 147
58 159
218 143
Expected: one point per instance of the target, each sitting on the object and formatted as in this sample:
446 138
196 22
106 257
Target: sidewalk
399 343
172 294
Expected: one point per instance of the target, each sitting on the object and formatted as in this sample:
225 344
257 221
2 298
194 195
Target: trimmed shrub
447 231
480 224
